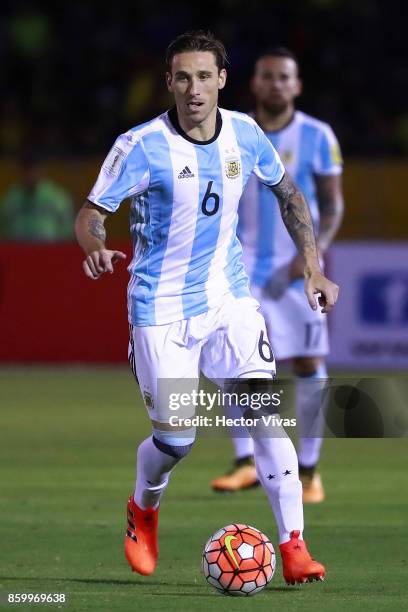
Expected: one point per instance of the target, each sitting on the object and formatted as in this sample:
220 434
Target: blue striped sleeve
124 173
329 159
269 168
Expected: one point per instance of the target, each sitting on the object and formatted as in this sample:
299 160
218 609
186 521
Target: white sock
310 415
277 468
242 441
153 469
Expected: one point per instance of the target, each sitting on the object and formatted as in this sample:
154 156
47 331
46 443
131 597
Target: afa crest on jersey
232 167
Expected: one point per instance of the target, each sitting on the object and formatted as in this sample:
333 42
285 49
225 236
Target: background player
311 155
188 297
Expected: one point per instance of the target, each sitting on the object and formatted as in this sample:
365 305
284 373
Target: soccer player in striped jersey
189 305
311 155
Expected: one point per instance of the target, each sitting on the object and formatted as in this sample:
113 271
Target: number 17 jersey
183 216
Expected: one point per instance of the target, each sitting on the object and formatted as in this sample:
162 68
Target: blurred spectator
29 31
35 209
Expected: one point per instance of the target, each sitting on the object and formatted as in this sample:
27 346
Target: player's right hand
101 261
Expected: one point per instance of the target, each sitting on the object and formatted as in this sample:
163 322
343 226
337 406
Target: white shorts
294 329
229 341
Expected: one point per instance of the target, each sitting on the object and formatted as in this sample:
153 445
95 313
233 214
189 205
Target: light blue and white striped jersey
307 147
184 201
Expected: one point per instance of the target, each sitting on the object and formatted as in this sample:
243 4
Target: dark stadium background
73 75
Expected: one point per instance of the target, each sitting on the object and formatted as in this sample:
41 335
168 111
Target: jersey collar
172 114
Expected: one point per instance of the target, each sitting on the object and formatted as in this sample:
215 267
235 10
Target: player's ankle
244 460
286 536
307 471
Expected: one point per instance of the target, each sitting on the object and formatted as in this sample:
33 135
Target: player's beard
275 108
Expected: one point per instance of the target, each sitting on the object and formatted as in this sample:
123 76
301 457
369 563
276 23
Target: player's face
195 81
275 83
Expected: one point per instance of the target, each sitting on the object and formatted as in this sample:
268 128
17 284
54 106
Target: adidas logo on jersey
186 173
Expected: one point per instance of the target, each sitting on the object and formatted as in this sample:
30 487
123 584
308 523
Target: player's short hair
197 40
277 52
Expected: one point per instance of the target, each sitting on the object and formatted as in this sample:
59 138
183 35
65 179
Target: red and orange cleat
242 476
141 548
298 565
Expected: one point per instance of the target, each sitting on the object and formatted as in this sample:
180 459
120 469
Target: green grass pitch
67 451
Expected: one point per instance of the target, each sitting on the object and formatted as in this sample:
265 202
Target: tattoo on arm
331 208
96 227
296 216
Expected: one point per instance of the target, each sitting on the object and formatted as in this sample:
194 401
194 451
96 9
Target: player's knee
254 396
176 451
306 366
176 444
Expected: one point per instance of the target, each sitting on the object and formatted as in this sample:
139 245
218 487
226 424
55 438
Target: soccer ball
239 560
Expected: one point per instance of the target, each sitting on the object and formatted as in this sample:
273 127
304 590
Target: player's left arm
297 219
331 208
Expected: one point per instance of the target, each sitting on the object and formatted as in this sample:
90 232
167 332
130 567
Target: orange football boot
242 476
298 565
313 491
141 548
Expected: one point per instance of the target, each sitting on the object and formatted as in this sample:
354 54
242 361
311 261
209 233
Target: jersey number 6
210 196
261 344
